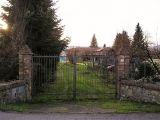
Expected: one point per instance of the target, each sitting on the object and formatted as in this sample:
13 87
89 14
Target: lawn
91 90
89 85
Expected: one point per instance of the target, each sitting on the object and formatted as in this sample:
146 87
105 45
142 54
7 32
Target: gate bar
74 78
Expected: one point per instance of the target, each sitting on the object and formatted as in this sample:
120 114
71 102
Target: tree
138 45
122 40
16 17
149 55
140 49
45 23
36 24
94 43
104 46
31 22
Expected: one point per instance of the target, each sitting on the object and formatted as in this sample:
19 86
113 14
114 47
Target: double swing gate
74 77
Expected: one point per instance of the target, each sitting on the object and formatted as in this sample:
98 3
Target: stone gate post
25 69
122 68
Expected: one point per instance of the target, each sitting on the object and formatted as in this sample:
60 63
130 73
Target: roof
90 51
82 50
104 51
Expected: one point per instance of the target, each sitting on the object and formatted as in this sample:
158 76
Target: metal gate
74 77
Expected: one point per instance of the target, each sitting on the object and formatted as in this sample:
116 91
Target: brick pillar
25 69
122 68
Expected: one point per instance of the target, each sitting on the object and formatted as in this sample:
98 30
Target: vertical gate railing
80 77
74 78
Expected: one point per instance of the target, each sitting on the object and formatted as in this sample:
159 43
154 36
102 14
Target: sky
2 23
106 18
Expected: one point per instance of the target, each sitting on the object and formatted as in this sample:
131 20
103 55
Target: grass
89 85
91 91
124 106
115 105
21 107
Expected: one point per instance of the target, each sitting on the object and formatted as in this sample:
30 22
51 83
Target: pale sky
83 18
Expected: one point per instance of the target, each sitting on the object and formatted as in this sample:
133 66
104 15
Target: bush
156 78
145 69
8 69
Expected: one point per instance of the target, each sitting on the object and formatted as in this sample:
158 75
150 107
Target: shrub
145 69
8 69
156 78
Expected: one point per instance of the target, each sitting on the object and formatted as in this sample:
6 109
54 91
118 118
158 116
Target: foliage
138 45
8 68
44 30
122 40
140 48
15 14
94 43
156 78
145 69
38 25
104 46
6 47
150 58
8 58
34 23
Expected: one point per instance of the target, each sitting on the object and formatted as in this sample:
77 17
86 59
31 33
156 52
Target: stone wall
139 91
12 92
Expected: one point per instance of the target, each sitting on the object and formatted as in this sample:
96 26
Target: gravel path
62 116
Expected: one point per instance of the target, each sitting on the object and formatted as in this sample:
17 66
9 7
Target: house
107 53
96 54
81 53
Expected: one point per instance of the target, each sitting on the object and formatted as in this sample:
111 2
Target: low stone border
14 91
149 86
12 84
139 91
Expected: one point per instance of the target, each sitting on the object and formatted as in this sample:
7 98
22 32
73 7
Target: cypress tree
138 45
94 43
122 40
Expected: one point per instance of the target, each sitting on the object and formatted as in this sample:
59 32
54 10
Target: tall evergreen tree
122 40
38 22
138 46
117 42
94 43
31 22
104 46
